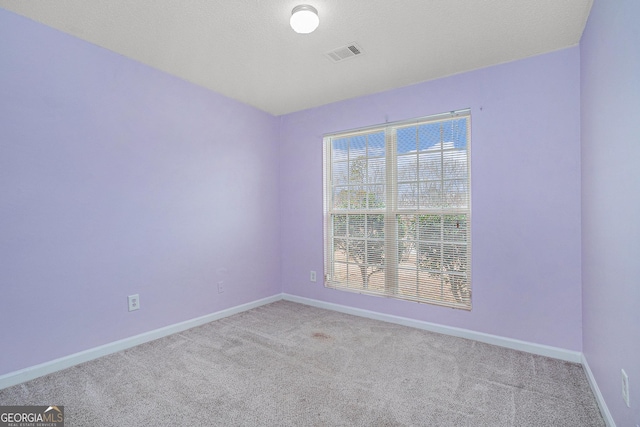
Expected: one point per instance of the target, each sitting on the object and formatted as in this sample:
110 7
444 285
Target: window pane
407 256
455 193
357 197
430 194
431 286
358 146
341 197
340 173
376 171
340 272
376 281
430 166
429 256
375 226
455 228
375 252
408 195
459 287
429 228
429 136
407 167
455 130
358 171
407 282
454 258
340 225
406 227
340 245
356 225
339 149
357 251
455 164
406 140
376 144
376 197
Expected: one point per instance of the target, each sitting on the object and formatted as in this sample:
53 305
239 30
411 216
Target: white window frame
393 286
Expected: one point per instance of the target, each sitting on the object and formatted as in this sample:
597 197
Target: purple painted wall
610 77
526 195
119 179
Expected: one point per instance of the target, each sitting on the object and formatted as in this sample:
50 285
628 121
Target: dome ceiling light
304 19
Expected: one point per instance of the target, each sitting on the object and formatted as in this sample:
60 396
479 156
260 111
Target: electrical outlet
625 387
134 302
313 276
220 286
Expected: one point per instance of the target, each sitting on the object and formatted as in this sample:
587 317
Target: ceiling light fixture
304 19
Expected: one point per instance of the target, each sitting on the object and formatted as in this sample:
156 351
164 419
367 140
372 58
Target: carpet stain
321 336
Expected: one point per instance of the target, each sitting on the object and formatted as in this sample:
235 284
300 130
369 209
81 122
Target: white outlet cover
134 302
313 276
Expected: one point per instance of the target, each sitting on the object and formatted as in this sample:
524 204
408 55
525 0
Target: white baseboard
17 377
604 409
539 349
36 371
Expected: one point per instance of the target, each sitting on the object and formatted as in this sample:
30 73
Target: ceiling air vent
345 52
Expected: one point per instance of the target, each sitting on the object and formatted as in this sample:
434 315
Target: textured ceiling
247 51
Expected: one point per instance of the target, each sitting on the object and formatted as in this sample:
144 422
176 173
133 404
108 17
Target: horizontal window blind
398 210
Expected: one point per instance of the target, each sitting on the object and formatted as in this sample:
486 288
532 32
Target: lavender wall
610 67
526 195
118 179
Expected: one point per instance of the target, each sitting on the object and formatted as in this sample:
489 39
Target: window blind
398 210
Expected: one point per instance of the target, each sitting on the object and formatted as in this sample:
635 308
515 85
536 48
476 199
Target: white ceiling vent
345 52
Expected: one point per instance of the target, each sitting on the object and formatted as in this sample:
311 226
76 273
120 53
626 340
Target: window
398 210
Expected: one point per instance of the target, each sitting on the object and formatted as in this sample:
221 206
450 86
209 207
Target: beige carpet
286 364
